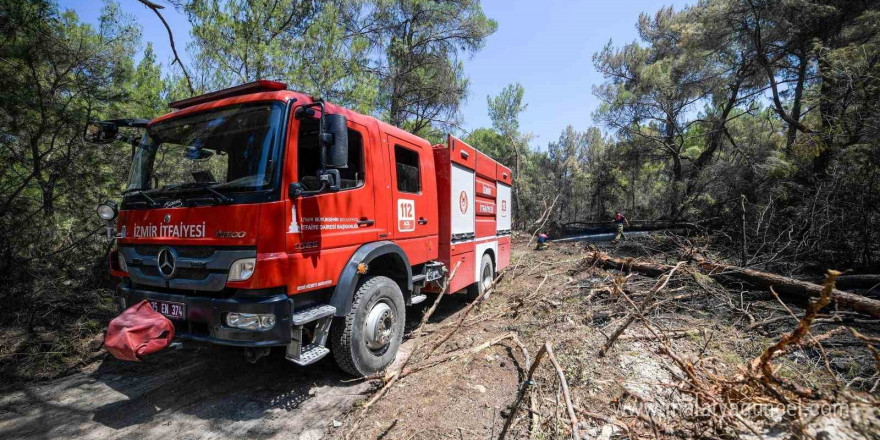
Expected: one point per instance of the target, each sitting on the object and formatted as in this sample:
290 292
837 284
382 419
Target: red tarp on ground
137 332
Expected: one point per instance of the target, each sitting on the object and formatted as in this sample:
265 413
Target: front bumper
203 316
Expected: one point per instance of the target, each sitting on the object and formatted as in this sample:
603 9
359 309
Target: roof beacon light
260 85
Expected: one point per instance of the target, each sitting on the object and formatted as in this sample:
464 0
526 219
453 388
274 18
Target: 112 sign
406 215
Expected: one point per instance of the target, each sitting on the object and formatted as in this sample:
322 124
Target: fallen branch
529 243
869 342
644 306
812 342
759 279
522 390
793 287
565 393
402 373
418 331
453 355
762 363
393 378
868 280
669 335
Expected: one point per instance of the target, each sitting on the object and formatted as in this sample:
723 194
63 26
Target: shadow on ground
201 390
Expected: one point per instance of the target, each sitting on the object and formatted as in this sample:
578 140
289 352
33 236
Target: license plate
170 309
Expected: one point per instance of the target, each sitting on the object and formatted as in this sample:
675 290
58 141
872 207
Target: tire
358 351
487 275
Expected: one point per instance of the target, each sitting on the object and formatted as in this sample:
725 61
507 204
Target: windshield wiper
138 192
196 186
222 198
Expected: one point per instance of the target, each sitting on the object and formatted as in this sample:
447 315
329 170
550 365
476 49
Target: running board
312 314
310 354
298 351
418 298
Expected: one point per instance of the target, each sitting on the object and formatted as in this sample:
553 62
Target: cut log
793 287
756 278
627 265
865 281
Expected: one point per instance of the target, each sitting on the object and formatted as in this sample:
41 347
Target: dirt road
195 392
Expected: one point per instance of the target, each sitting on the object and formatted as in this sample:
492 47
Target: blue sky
546 46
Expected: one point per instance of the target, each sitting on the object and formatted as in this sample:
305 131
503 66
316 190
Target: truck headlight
242 269
250 321
108 210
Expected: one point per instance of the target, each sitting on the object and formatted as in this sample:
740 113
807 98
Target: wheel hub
379 326
487 277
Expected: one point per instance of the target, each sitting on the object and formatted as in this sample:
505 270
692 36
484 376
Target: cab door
415 223
340 220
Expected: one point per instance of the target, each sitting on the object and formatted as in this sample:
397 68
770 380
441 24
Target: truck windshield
228 150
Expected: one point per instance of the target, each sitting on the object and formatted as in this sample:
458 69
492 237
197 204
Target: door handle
365 222
423 221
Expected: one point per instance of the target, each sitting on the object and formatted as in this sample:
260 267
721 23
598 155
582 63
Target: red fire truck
260 217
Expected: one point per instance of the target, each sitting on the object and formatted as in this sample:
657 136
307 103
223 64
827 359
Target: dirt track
201 392
195 392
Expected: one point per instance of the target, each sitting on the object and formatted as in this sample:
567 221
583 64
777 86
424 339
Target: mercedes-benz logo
166 260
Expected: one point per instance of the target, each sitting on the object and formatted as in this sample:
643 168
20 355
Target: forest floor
689 348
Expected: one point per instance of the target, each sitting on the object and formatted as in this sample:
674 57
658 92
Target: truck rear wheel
487 275
366 340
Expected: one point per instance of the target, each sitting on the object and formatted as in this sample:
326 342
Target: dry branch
762 363
793 287
669 335
867 280
759 279
397 375
565 393
522 390
644 306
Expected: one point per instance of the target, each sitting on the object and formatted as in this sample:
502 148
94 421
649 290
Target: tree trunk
826 116
756 278
677 179
869 280
796 103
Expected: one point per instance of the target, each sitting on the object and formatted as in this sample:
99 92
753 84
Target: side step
302 353
416 299
306 316
310 354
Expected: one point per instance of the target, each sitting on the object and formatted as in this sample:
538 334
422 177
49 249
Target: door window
409 178
309 158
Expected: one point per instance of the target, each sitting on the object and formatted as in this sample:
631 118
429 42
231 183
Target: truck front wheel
366 340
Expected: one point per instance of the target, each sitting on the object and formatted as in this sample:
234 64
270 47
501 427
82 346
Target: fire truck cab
261 217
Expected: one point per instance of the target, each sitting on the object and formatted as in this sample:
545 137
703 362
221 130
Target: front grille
182 251
185 274
150 271
202 268
192 274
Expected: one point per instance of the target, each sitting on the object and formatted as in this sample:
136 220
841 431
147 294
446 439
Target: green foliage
306 44
398 59
57 74
422 43
762 109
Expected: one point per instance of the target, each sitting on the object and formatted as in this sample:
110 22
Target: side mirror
101 132
336 127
